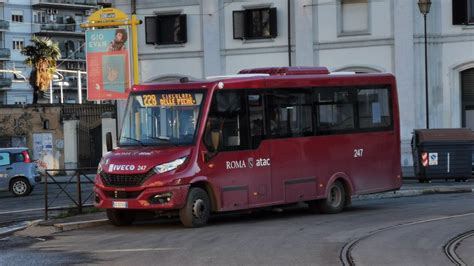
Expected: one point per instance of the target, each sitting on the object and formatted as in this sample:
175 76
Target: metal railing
4 25
70 2
5 53
77 177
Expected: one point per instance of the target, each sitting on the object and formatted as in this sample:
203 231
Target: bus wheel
120 217
197 210
335 201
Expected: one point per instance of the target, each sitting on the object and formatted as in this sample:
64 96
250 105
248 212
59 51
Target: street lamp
424 6
61 85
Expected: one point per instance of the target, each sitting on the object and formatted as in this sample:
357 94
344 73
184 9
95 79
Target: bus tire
335 201
120 217
197 210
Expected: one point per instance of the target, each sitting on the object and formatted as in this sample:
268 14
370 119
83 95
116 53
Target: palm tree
41 55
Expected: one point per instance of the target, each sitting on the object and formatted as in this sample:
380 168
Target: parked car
18 173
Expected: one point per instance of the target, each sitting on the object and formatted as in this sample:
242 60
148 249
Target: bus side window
374 108
335 111
290 113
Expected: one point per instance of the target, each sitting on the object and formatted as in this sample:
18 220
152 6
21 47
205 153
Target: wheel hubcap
199 208
335 197
19 187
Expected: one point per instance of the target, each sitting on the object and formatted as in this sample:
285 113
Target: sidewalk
409 188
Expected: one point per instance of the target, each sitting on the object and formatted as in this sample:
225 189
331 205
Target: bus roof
277 77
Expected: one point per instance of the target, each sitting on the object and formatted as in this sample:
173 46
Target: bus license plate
120 204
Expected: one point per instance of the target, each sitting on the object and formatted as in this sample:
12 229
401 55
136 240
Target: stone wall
37 127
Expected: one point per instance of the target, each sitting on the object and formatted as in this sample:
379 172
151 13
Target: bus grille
112 180
122 194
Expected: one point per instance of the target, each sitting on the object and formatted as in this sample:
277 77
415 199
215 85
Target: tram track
347 259
453 244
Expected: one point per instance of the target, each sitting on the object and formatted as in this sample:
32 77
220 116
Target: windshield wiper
136 140
163 138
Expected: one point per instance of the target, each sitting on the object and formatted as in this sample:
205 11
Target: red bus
265 137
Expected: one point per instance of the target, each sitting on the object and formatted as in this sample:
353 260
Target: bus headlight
163 168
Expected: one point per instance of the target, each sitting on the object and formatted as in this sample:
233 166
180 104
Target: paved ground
380 229
397 231
14 209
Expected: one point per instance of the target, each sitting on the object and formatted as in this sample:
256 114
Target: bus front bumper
154 198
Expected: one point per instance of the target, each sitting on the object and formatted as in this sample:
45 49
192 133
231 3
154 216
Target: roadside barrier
78 176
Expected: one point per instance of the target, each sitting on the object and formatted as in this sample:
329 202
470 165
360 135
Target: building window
40 17
166 29
463 12
354 16
17 16
255 23
18 44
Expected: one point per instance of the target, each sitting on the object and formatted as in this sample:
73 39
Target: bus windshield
161 119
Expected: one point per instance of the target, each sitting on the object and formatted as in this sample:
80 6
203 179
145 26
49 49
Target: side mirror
215 138
108 141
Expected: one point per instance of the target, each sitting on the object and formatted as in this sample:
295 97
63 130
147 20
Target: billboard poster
108 67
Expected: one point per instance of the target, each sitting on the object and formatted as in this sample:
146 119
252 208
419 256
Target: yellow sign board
107 15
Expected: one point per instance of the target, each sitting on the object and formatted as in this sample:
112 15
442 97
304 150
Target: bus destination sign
167 100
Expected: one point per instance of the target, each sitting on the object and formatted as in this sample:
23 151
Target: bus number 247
358 153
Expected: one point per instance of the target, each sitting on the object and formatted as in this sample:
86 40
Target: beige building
214 37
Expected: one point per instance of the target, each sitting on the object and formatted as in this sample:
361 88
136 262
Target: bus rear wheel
335 201
121 217
197 210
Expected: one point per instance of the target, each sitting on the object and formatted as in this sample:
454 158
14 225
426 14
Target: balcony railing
4 25
5 82
59 27
5 53
65 55
69 29
104 2
66 2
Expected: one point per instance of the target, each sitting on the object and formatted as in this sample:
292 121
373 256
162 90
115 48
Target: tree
42 56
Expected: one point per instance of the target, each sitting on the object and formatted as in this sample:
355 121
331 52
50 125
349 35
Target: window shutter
459 12
467 84
239 24
183 33
151 30
249 27
273 22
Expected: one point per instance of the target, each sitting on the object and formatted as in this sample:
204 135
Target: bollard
46 196
79 192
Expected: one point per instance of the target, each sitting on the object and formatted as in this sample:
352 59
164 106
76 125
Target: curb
80 225
413 192
17 227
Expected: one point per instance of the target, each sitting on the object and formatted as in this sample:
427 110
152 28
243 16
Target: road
16 209
399 231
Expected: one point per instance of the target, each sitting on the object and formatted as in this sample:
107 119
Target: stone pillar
109 124
71 143
303 33
211 37
404 62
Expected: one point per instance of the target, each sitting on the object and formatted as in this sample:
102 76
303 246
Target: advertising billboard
108 67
